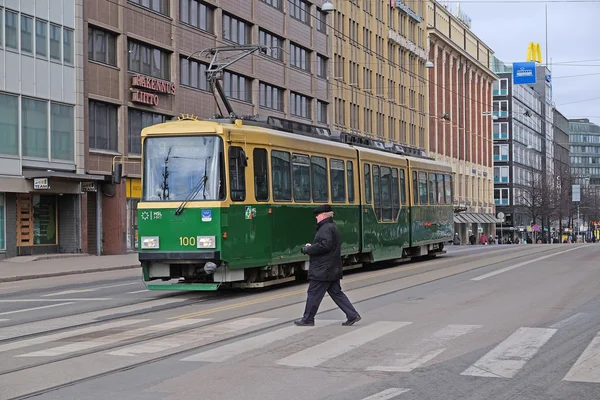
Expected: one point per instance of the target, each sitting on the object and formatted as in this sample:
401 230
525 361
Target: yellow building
379 70
460 114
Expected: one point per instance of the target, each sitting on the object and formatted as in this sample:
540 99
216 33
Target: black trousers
316 292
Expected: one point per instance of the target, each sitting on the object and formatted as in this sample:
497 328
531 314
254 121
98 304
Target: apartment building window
9 124
197 14
236 30
11 30
299 105
299 10
68 46
501 108
41 38
62 132
340 111
321 21
139 120
501 196
237 86
2 222
148 60
102 46
501 174
321 66
34 127
501 152
274 42
193 74
26 34
500 130
160 6
500 87
271 96
354 116
103 126
55 31
299 57
274 3
321 112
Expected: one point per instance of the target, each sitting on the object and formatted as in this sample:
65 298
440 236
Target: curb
65 273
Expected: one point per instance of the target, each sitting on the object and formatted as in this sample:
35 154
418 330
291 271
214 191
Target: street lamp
328 7
429 64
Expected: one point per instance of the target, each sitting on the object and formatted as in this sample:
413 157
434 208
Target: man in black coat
325 269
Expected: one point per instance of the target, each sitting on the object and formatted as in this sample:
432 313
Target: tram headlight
150 242
206 242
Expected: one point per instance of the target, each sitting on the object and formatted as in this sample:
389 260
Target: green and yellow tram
228 202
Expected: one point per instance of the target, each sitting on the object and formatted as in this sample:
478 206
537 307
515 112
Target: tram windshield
183 168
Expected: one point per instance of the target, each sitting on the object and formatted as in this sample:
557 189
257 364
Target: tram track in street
365 275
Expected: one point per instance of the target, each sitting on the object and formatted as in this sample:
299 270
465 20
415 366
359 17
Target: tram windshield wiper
200 185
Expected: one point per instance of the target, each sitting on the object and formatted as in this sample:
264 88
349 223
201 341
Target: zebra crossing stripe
110 339
425 350
387 394
225 352
194 336
318 354
587 367
506 359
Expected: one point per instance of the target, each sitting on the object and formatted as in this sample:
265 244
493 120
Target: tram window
350 171
386 194
440 189
320 188
377 191
261 175
237 174
402 187
338 181
448 187
368 183
301 174
395 197
415 188
282 188
423 187
432 187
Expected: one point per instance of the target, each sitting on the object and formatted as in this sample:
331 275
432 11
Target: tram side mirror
117 173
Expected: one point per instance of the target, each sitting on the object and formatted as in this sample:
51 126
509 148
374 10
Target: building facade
584 142
42 171
378 76
460 117
519 150
143 68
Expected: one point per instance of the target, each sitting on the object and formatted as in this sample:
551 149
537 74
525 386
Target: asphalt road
482 322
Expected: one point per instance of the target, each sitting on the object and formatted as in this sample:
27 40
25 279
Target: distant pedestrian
325 270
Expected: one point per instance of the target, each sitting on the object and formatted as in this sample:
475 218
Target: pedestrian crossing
381 346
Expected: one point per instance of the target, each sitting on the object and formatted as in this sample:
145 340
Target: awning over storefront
32 174
474 218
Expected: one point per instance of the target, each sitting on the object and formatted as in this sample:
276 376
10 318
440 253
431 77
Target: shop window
44 220
2 222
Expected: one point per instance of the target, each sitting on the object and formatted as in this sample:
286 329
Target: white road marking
54 300
506 359
75 291
110 339
320 353
566 321
587 367
138 291
2 320
196 335
387 394
63 335
425 350
481 277
30 328
227 351
35 308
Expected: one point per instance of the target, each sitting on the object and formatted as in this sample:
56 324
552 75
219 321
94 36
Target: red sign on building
153 84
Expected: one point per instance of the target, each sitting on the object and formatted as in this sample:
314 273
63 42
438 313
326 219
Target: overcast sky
573 44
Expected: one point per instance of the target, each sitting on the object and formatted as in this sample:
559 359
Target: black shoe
351 322
301 322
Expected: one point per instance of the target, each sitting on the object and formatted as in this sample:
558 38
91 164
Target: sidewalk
51 265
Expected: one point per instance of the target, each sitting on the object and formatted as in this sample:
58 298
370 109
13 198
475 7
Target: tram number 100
187 241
